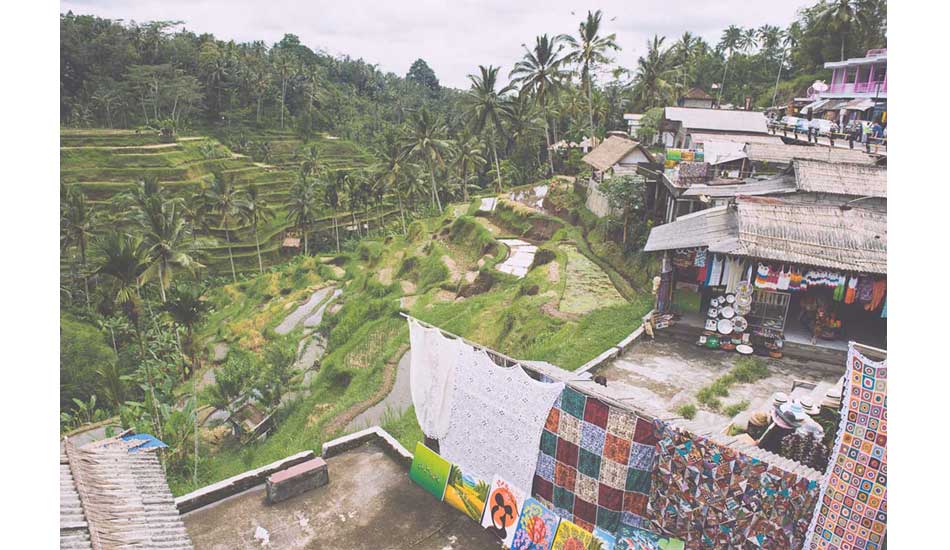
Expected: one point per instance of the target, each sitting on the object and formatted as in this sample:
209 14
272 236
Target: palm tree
331 198
468 159
788 43
524 124
302 208
539 73
186 308
731 37
311 161
79 220
685 51
841 16
258 211
652 87
588 50
485 108
390 170
425 141
166 233
225 201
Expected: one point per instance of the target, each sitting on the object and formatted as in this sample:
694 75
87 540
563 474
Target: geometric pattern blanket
595 464
852 507
712 496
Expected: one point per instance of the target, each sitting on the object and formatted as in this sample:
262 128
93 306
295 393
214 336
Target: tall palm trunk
85 278
336 232
161 279
257 243
435 193
227 236
590 107
494 152
402 214
547 138
283 95
722 86
306 248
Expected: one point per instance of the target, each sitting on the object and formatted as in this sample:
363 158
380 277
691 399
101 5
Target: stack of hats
832 398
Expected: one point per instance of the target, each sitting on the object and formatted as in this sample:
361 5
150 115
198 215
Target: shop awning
814 106
859 104
834 105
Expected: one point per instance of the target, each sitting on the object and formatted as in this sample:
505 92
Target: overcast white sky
453 37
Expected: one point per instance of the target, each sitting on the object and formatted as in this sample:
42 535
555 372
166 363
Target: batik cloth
595 463
432 369
852 507
496 418
711 496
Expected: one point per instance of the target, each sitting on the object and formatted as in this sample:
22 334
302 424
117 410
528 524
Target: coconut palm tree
425 141
588 51
525 125
331 198
485 107
789 42
303 206
168 236
258 212
685 51
468 158
731 38
652 87
539 73
841 16
311 161
228 203
78 223
389 170
186 307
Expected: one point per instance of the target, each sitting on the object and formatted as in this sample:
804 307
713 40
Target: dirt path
389 380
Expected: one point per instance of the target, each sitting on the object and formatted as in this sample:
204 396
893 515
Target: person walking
866 135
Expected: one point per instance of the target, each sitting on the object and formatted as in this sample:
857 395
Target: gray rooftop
722 120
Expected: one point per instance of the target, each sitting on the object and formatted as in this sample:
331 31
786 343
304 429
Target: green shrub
687 411
467 232
542 257
369 251
750 369
736 408
432 270
83 351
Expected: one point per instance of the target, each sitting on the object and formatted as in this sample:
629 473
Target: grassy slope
367 332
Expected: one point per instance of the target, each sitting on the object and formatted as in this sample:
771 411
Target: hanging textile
496 419
596 462
433 363
884 311
865 289
762 276
715 273
734 271
784 278
852 291
877 294
700 259
852 506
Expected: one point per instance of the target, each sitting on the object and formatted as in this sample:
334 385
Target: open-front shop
754 306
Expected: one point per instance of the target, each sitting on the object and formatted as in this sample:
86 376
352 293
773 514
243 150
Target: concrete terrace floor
666 374
370 503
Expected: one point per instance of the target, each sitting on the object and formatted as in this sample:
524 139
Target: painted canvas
602 540
570 536
631 538
466 493
429 470
503 510
537 527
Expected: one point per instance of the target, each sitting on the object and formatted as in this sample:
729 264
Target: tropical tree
841 17
468 158
187 308
167 234
258 212
389 170
78 222
728 44
588 51
303 206
228 204
539 73
425 141
331 199
652 87
485 107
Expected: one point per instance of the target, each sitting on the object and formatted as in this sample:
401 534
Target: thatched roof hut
114 496
811 234
612 150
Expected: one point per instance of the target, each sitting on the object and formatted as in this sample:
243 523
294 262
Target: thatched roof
611 151
114 498
718 120
785 231
782 153
860 180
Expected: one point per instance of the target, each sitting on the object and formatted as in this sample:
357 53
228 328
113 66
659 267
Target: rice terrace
608 289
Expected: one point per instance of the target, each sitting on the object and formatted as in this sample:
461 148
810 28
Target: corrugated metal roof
782 153
859 180
701 228
701 137
720 152
771 186
724 120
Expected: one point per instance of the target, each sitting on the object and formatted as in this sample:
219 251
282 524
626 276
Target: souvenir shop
754 306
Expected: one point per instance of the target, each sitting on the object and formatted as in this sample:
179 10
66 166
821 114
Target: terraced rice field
106 163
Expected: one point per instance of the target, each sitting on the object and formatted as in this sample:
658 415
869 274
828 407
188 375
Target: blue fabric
148 442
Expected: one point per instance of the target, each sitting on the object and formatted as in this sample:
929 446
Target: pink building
859 77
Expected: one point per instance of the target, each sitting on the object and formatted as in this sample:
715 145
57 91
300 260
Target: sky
453 37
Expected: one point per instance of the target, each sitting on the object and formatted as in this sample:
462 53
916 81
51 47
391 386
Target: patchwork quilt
595 464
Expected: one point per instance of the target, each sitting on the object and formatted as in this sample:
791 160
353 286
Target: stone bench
296 480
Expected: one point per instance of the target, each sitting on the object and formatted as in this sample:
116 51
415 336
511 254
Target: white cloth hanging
496 419
716 269
784 278
432 370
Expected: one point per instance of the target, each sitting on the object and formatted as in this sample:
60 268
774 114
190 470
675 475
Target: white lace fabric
432 370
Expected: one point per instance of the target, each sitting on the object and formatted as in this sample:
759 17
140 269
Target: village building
696 98
618 156
857 91
810 245
679 123
113 494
